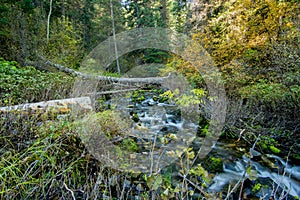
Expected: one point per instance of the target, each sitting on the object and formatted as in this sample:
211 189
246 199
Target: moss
135 117
256 187
138 96
216 164
274 149
129 144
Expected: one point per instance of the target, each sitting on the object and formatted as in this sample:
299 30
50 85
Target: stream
159 122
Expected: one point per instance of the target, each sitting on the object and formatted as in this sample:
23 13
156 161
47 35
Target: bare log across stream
62 106
149 80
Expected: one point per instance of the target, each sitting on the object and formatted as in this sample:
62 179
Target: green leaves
272 95
199 171
252 174
185 100
154 181
26 84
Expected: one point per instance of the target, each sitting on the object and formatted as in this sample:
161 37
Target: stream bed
159 125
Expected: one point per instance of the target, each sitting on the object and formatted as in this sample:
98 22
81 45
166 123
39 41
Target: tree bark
163 13
48 21
114 36
150 80
62 106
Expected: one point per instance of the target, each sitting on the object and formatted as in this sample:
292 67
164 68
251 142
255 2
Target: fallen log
149 80
113 92
62 106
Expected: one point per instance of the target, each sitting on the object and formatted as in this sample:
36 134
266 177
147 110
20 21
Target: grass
42 159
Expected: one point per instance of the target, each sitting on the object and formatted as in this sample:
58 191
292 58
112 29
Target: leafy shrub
27 84
272 95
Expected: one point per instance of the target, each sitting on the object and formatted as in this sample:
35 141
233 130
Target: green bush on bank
27 84
271 94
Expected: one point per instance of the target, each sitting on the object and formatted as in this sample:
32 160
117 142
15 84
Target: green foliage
272 95
154 181
65 44
238 31
269 144
73 31
155 56
129 144
179 10
138 96
256 187
216 164
185 100
111 123
142 13
45 156
199 171
274 149
3 21
146 70
204 130
255 44
26 84
185 68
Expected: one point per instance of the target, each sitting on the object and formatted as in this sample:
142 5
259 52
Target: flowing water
153 123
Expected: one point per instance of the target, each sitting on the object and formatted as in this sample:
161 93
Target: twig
193 184
241 190
72 193
237 184
123 189
233 189
151 159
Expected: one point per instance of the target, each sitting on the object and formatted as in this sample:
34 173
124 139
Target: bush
27 84
272 95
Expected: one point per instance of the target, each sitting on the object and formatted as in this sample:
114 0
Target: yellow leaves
190 153
185 100
154 181
244 24
258 40
199 171
169 94
290 24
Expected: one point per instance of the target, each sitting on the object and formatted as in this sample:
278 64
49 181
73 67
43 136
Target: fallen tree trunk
113 92
149 80
62 106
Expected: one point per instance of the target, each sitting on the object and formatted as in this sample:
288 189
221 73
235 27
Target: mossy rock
135 117
216 164
163 99
155 98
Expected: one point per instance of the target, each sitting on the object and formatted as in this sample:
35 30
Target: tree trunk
114 36
62 106
163 13
149 80
48 21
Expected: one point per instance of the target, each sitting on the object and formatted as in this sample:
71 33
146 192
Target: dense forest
254 44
